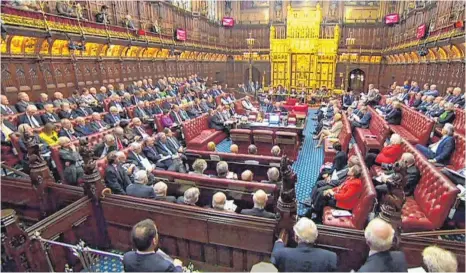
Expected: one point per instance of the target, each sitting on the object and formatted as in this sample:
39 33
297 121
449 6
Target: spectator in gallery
148 257
305 257
128 22
102 16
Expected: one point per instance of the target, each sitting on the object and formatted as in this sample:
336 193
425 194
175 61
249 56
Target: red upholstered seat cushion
457 158
240 131
205 136
287 134
405 134
413 218
459 120
329 220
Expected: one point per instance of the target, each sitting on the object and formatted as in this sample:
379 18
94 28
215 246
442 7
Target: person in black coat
412 176
83 110
6 108
217 122
146 259
160 189
305 257
379 237
106 147
394 116
82 129
23 102
31 118
339 161
43 100
67 112
151 152
116 178
113 117
139 188
260 200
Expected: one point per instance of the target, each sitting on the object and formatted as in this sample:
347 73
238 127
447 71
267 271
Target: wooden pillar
287 205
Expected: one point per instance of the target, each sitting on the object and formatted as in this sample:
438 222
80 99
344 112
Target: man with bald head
260 201
218 201
23 102
379 237
234 149
305 257
6 108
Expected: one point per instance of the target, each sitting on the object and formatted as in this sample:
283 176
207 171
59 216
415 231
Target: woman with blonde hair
49 135
333 132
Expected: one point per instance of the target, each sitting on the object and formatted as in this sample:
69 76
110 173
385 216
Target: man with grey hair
379 237
437 259
305 257
412 177
160 189
252 149
30 117
139 188
275 151
223 172
137 157
440 152
107 146
218 201
190 197
260 201
273 175
113 117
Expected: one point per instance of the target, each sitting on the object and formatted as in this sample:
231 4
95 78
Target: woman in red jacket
345 196
389 154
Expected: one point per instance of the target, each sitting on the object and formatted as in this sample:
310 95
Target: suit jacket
6 112
72 172
67 134
412 178
99 149
126 103
157 110
444 150
364 121
100 97
40 104
138 133
96 126
347 194
48 118
173 144
82 131
135 100
161 150
68 115
303 258
347 100
117 179
215 123
258 212
110 119
152 154
140 190
24 119
80 112
173 116
171 199
133 159
154 262
141 113
386 261
394 117
22 105
340 161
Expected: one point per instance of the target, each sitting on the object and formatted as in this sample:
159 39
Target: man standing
305 257
145 259
379 237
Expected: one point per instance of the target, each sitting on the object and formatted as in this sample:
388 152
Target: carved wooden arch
455 52
397 58
431 55
407 57
61 45
102 51
442 54
389 59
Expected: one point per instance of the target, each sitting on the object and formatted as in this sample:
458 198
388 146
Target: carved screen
280 73
302 71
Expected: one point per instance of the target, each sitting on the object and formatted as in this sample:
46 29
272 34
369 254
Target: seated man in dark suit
260 200
217 122
160 189
139 188
107 146
6 108
440 152
116 178
362 122
31 117
394 116
146 259
138 130
412 176
82 129
49 116
379 237
67 130
23 102
113 117
67 112
278 108
43 100
305 257
71 160
97 124
83 110
150 151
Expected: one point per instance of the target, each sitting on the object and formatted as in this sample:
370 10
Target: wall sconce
362 78
352 76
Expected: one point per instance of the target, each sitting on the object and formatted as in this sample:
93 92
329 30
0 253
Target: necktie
116 118
8 110
166 149
52 118
33 122
105 151
174 143
84 111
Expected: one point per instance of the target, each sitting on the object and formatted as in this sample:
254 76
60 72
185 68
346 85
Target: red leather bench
373 137
433 198
364 206
344 138
242 138
197 133
415 127
288 142
457 158
264 140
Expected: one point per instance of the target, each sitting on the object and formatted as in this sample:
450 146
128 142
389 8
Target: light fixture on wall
352 76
